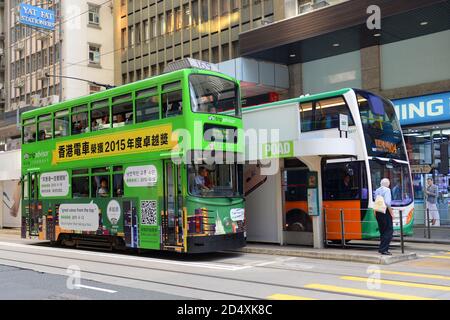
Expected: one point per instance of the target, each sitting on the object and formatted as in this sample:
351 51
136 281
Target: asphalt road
31 270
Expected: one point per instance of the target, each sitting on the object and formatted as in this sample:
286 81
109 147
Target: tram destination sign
36 17
420 168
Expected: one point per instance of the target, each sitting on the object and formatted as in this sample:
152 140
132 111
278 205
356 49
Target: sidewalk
437 234
367 255
10 232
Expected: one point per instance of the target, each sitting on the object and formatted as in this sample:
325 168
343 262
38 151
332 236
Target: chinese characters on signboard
143 140
141 176
54 184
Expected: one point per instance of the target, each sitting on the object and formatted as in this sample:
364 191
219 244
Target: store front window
429 159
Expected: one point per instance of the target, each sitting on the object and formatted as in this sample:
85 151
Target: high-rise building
2 67
149 34
41 62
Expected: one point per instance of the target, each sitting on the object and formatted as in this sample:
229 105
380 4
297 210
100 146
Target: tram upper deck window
29 131
122 110
212 94
61 123
323 114
79 120
45 127
172 104
100 119
147 105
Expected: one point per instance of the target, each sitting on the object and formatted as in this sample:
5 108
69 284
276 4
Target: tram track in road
224 278
277 287
305 267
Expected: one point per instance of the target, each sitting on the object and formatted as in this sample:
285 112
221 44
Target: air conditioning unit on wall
52 99
36 100
19 82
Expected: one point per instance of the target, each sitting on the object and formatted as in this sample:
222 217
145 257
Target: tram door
33 207
172 219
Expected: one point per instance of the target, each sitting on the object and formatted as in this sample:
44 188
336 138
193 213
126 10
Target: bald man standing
384 219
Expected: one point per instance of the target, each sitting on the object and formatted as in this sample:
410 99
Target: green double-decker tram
148 165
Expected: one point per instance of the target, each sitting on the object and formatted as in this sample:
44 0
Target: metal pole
402 244
428 223
342 228
325 226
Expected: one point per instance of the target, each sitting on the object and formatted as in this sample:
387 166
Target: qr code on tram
149 210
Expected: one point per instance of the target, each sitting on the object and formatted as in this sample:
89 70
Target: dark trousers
386 228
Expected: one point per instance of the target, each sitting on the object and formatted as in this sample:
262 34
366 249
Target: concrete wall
263 211
77 34
10 163
415 61
332 73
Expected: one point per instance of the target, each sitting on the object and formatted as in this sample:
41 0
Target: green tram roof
122 89
300 99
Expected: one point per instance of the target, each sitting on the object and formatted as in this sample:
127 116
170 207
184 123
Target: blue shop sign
36 17
424 109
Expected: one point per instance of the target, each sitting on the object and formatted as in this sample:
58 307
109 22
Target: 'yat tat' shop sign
37 17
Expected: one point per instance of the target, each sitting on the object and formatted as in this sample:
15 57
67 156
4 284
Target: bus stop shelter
282 175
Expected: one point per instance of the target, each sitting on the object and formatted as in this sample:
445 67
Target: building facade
42 67
151 33
40 60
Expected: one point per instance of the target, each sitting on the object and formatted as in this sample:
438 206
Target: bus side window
172 104
341 181
306 116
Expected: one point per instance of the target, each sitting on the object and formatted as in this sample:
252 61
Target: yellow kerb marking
367 293
441 257
279 296
412 274
399 283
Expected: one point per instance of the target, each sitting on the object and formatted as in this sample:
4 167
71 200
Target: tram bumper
199 244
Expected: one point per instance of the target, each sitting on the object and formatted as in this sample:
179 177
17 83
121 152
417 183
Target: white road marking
118 256
94 288
278 260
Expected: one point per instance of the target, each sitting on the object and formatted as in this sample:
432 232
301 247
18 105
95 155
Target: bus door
344 185
172 217
298 226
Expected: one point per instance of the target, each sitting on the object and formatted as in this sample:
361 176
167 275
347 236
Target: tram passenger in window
103 191
201 181
129 118
42 135
103 123
175 109
94 125
120 120
31 138
118 185
346 188
212 109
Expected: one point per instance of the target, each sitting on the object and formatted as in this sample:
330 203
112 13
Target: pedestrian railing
426 226
344 224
